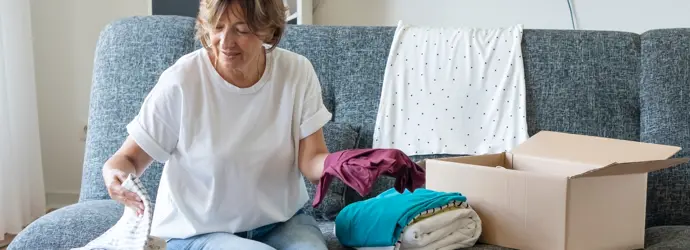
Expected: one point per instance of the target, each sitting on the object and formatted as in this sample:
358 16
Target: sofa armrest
69 227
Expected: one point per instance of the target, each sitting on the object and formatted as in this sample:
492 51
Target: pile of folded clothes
418 219
406 216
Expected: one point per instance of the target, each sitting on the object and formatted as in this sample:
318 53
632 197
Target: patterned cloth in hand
131 232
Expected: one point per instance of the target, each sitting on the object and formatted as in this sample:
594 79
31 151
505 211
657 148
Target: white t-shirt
230 153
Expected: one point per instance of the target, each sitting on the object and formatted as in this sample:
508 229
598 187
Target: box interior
574 156
525 163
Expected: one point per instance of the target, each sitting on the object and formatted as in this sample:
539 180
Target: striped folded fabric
131 232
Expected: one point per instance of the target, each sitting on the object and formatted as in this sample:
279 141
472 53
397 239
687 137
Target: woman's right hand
129 159
113 181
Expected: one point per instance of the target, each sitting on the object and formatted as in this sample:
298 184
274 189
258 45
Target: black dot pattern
453 91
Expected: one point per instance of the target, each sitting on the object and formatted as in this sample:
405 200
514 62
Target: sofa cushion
328 230
69 227
657 238
583 82
130 55
665 101
339 136
76 225
667 238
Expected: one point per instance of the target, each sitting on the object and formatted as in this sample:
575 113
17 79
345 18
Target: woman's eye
243 29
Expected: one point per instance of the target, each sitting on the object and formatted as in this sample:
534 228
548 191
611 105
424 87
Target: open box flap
632 167
591 149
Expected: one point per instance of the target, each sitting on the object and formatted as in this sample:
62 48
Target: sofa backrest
665 119
130 55
587 71
585 82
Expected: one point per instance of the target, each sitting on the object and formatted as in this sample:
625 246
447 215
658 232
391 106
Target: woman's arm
312 153
129 159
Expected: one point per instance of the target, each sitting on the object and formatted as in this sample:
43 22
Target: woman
237 123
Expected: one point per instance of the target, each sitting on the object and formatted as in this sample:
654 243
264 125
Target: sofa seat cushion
76 225
69 227
657 238
667 238
328 230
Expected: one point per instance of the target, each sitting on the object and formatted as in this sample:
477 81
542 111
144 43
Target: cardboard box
558 191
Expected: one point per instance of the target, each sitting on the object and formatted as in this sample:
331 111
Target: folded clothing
359 169
407 220
450 227
131 232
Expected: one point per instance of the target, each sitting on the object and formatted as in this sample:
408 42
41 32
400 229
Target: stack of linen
422 219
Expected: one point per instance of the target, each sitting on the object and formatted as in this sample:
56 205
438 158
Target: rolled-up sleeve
156 127
314 112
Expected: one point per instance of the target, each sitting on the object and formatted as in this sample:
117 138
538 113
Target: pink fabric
359 169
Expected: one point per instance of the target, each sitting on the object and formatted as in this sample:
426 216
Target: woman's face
236 45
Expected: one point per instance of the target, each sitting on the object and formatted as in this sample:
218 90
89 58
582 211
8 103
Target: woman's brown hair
265 18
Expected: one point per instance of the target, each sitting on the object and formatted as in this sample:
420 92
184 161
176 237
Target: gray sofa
611 84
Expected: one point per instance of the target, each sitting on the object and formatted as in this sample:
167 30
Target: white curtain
22 194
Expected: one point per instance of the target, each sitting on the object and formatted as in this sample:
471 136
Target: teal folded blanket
379 221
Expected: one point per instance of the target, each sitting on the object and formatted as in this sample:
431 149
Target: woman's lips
231 54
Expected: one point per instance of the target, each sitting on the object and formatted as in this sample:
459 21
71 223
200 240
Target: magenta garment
359 169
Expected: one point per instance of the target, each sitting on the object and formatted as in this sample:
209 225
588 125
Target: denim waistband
263 230
260 231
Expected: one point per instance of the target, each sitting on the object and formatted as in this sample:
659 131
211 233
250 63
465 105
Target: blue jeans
301 232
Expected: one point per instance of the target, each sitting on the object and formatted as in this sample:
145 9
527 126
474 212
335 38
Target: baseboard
55 200
6 241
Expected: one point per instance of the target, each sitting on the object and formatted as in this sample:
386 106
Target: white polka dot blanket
453 91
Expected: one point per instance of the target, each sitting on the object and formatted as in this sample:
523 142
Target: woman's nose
227 42
227 39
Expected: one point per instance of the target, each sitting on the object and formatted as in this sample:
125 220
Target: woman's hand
129 159
113 181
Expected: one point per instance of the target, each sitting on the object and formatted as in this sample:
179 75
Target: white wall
65 34
624 15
